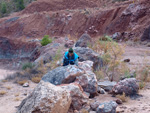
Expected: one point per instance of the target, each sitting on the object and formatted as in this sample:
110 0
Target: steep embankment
75 17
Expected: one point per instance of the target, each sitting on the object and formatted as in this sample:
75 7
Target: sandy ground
16 93
138 56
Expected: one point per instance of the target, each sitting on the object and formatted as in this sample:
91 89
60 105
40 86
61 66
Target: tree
3 8
20 5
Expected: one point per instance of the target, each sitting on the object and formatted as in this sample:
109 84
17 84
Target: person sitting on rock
70 58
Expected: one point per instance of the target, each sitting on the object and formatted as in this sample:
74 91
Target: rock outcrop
10 49
87 80
46 98
89 54
63 75
79 98
128 86
107 85
83 41
107 107
82 75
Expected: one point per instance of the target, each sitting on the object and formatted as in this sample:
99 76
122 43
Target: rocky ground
16 93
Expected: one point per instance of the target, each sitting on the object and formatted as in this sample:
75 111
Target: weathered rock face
48 52
128 86
107 107
125 17
89 54
82 75
46 98
10 49
63 75
83 41
107 85
79 98
69 43
146 34
87 80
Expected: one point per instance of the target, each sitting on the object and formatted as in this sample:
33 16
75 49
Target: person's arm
62 62
76 62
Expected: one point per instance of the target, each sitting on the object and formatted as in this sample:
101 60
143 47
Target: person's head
70 52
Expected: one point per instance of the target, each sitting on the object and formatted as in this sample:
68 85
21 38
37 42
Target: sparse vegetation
22 82
17 99
36 79
17 94
27 65
142 85
10 6
46 40
3 92
3 8
122 97
4 80
111 53
8 87
20 5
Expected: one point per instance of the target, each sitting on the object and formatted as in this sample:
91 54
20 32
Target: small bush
46 40
17 99
3 8
20 5
17 94
27 65
4 80
22 82
141 85
122 97
8 87
3 92
36 79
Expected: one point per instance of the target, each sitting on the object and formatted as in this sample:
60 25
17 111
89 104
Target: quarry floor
15 93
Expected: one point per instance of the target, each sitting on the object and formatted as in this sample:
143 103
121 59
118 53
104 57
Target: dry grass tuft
4 81
17 99
3 92
122 97
142 85
8 87
36 79
22 82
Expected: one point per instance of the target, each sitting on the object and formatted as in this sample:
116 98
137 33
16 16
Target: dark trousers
67 62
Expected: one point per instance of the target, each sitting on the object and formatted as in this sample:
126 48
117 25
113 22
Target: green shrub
20 5
46 40
3 8
27 65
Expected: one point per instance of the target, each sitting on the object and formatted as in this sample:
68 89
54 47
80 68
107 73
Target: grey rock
46 98
92 112
129 86
116 35
82 75
79 98
89 54
26 84
146 34
107 107
107 85
83 41
100 90
63 74
94 105
88 80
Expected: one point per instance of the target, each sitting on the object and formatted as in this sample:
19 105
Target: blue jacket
75 56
